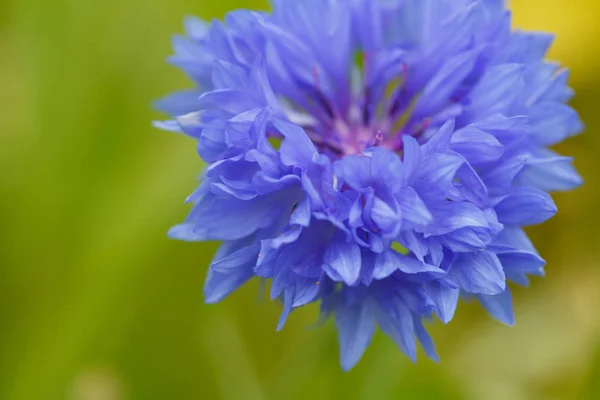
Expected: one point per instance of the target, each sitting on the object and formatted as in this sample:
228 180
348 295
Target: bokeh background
97 304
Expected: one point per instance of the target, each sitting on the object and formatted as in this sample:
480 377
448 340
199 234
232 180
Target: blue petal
385 265
410 265
354 170
436 253
525 206
556 89
220 41
452 216
494 8
528 47
216 218
553 123
282 280
227 189
196 28
425 340
386 218
521 261
266 164
288 298
471 186
192 233
342 261
317 23
170 125
479 273
355 215
550 172
367 24
180 103
193 59
518 278
396 321
415 243
260 85
356 326
302 213
390 261
539 77
515 238
306 291
296 148
230 101
228 76
413 208
440 140
184 47
502 127
500 176
412 158
265 185
497 90
385 166
476 146
211 146
466 239
368 258
444 83
236 259
409 18
445 299
312 191
436 175
499 306
218 285
287 237
192 124
415 298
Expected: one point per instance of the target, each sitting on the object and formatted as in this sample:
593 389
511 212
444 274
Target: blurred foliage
96 303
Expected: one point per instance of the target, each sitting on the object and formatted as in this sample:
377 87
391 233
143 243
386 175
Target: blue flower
378 157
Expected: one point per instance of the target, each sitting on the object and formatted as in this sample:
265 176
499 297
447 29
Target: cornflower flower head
379 157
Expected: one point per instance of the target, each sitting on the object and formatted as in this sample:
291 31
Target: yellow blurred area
575 27
96 303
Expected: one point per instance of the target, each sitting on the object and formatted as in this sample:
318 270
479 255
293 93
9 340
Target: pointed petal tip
578 181
445 318
184 232
211 300
169 126
499 306
346 367
175 232
413 357
349 361
356 327
434 357
280 326
212 296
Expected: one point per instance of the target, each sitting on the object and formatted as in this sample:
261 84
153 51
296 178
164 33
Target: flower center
378 114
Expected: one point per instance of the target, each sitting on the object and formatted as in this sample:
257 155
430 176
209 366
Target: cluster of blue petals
379 157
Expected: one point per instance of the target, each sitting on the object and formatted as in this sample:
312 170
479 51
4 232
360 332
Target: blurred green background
97 304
